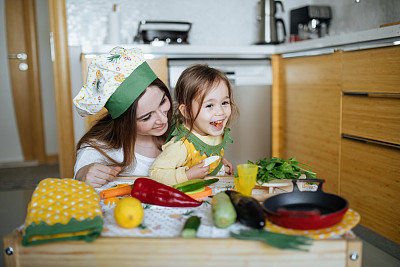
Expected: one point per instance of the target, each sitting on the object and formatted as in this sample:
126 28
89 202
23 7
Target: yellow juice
247 178
237 184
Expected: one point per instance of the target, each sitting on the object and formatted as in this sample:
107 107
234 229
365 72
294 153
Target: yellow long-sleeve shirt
178 156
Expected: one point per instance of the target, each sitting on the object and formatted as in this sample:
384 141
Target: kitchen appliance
309 22
251 80
269 24
306 210
164 32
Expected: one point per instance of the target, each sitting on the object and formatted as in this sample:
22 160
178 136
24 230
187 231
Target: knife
210 160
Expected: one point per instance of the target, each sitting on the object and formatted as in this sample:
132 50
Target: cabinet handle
381 95
372 141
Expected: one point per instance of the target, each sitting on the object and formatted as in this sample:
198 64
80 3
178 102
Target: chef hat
114 81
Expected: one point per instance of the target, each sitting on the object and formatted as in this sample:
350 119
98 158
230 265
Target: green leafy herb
281 241
278 168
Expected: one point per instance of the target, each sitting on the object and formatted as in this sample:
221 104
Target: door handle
20 56
372 141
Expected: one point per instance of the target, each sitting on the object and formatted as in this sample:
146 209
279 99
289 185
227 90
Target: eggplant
249 211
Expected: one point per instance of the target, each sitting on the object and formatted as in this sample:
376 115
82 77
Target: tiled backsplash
215 22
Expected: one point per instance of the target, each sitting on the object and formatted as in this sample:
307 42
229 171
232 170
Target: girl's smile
218 124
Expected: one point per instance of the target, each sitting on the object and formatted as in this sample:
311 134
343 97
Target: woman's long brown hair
108 133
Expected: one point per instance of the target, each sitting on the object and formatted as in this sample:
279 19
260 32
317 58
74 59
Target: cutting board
207 192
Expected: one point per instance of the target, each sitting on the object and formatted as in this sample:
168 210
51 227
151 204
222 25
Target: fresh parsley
278 168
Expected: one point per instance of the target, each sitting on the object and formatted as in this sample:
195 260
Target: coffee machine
309 22
268 23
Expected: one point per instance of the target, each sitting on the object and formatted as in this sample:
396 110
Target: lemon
129 212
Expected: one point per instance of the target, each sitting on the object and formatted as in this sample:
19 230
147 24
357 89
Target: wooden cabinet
370 150
372 70
376 118
370 181
355 95
311 121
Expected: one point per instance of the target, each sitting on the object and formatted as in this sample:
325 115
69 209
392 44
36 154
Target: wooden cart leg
11 249
354 252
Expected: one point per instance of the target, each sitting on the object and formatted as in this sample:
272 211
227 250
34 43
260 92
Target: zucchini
176 186
190 228
196 191
248 209
223 212
195 186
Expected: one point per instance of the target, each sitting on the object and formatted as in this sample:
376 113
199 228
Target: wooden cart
122 251
140 251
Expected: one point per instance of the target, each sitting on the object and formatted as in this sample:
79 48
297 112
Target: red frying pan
306 210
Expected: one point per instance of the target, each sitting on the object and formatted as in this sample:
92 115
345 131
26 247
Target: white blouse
89 155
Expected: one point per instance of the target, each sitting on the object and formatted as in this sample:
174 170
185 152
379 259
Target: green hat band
130 89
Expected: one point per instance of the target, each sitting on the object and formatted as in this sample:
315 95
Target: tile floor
16 194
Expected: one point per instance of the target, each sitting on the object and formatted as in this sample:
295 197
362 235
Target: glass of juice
246 180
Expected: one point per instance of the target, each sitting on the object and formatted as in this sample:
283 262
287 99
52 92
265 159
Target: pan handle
319 181
299 214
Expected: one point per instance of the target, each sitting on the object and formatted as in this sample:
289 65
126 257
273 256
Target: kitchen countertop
346 41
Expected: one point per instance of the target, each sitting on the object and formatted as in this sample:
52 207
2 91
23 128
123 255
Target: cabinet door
370 181
311 119
376 118
372 70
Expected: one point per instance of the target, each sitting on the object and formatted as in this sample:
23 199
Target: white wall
349 16
10 147
215 22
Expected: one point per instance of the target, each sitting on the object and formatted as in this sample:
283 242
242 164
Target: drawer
372 70
376 118
370 181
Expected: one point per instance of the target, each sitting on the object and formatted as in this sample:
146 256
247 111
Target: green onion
281 241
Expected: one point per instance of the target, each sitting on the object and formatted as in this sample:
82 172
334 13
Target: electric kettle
268 23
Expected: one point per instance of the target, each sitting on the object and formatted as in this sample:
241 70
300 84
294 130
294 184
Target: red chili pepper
149 191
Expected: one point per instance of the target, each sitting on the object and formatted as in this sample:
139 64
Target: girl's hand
97 175
197 171
227 166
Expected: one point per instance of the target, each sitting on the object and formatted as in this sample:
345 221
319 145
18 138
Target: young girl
126 141
205 108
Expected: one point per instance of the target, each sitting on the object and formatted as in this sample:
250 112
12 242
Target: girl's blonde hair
193 85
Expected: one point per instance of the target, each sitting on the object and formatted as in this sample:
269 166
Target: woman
126 141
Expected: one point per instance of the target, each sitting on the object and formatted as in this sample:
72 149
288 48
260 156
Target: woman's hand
197 171
97 174
227 166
